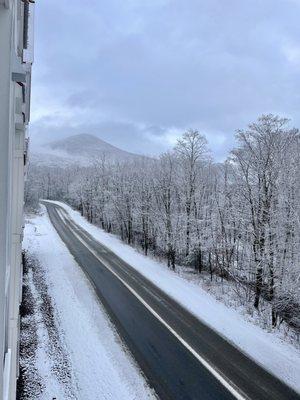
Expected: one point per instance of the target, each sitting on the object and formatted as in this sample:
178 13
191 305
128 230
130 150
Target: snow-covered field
99 367
281 358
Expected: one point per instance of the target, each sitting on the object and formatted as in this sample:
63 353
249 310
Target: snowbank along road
181 357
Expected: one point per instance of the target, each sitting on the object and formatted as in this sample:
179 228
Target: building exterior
16 56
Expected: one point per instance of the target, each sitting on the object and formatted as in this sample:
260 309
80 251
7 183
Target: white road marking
223 380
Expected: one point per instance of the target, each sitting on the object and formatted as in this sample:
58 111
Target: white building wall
15 70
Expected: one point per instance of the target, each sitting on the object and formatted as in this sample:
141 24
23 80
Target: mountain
81 149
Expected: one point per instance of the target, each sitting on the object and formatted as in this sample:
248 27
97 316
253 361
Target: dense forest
237 221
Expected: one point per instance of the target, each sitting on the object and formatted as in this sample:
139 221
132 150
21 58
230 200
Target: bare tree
191 151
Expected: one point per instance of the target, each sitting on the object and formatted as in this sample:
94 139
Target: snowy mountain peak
89 145
81 149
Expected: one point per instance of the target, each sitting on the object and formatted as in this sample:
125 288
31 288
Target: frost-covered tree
191 151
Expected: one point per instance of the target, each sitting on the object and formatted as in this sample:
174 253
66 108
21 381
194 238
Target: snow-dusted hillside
82 149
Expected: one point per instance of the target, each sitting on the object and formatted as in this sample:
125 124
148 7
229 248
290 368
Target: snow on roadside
44 362
102 367
281 358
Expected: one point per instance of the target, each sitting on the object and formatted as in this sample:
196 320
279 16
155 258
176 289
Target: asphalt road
180 356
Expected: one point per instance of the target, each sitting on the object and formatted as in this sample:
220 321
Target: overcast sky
138 73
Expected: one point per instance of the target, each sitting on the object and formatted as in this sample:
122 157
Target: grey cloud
132 70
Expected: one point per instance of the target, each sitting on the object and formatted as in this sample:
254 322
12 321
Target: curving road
181 357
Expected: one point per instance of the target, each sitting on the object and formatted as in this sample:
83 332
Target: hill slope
81 149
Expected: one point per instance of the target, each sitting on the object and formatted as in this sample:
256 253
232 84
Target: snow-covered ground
279 357
96 364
